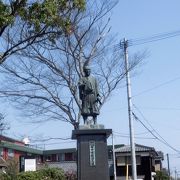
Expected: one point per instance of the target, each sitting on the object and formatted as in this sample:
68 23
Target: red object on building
13 149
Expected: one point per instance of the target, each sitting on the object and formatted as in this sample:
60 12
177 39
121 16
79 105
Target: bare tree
4 125
43 79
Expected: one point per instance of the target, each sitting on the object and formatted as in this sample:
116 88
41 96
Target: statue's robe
88 92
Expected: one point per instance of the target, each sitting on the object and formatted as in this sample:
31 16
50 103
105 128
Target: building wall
4 138
143 169
11 153
5 153
67 160
158 167
60 157
70 166
17 154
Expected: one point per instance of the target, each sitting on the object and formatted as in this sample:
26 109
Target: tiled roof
116 146
71 150
20 148
57 151
138 148
160 155
5 138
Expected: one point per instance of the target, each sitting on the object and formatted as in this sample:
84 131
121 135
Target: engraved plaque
92 153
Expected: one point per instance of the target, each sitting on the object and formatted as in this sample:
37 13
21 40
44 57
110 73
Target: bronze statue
89 95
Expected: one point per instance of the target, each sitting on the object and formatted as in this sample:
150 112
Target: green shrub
161 175
30 175
43 174
5 177
11 169
53 173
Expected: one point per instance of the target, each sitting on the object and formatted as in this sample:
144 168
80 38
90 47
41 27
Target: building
147 159
14 149
66 159
61 158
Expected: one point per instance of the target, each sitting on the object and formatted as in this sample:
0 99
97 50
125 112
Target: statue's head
86 70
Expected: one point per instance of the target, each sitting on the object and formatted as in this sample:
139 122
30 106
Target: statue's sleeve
81 88
97 87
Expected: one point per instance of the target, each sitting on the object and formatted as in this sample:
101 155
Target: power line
150 39
162 141
160 138
155 37
49 139
126 134
137 137
162 108
157 86
35 128
147 121
49 144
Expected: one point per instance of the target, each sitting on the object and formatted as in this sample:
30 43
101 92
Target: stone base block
92 153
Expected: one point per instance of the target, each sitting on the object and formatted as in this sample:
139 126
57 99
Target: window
61 157
10 153
123 160
68 156
110 154
48 158
53 157
126 160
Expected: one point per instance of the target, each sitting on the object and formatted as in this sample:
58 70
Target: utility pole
175 173
131 127
114 157
168 166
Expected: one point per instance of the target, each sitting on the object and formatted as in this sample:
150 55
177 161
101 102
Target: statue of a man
88 93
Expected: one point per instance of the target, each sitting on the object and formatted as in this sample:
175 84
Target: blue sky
160 72
159 76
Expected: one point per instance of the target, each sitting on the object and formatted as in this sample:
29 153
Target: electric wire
137 137
147 121
126 134
153 38
162 141
162 108
49 139
55 143
169 33
156 87
160 138
156 37
133 42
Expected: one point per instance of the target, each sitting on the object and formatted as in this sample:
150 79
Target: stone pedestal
92 153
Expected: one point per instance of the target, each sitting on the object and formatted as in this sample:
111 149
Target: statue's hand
82 86
98 100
